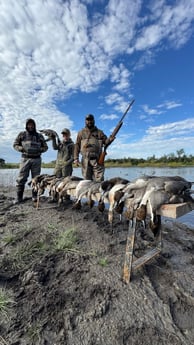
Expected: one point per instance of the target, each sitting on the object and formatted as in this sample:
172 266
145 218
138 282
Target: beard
31 130
90 125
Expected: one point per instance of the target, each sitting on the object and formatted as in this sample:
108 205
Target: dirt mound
60 279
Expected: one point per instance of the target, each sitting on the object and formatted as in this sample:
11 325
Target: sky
63 59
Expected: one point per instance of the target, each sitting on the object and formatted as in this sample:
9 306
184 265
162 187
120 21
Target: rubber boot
20 192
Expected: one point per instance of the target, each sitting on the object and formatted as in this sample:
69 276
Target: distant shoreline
109 165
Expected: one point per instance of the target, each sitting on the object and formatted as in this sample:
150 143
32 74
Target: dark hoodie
30 143
28 121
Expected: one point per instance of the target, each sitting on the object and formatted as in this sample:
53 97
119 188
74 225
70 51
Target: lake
8 177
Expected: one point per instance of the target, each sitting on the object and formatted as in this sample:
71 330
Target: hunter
89 143
31 144
64 162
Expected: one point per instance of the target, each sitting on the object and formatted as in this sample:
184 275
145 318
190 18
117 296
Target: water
8 177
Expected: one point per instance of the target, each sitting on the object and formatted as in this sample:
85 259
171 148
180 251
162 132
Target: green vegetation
9 165
34 333
66 240
103 262
26 252
50 241
13 237
169 160
5 303
9 238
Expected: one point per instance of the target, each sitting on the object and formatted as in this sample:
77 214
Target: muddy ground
60 279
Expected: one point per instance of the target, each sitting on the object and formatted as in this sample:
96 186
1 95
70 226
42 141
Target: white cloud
180 128
50 50
158 141
108 117
120 76
165 25
151 111
118 25
172 104
113 98
159 109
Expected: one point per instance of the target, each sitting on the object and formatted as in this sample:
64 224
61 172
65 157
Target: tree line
171 159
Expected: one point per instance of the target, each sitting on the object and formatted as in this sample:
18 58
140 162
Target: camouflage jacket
30 145
65 152
89 143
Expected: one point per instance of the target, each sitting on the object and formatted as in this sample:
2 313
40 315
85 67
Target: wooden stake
129 251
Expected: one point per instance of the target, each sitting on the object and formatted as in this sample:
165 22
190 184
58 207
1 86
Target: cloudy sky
63 59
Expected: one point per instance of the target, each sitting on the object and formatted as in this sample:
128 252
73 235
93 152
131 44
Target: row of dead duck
135 199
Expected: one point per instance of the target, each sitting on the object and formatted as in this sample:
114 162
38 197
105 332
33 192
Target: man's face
90 123
30 127
65 136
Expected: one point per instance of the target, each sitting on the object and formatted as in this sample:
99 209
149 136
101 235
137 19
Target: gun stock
102 158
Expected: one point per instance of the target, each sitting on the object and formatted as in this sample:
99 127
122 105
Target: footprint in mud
181 307
189 247
182 312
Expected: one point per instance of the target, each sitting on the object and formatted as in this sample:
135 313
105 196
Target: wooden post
167 210
129 264
129 251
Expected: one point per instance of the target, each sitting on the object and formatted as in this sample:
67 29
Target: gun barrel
115 131
126 111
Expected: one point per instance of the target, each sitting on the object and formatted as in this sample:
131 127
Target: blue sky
60 60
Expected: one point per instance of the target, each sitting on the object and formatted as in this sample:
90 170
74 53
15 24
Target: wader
27 165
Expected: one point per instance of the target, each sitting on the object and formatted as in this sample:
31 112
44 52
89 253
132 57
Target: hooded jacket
30 143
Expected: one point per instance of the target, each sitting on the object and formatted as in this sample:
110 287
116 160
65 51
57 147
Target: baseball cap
65 131
89 117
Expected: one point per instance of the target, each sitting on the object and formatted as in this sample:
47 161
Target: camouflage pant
91 170
28 165
63 171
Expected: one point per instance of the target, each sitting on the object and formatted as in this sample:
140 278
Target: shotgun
114 133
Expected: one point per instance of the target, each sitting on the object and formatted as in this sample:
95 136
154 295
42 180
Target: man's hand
21 149
111 139
76 162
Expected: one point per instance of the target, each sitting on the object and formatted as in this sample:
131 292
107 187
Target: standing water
8 178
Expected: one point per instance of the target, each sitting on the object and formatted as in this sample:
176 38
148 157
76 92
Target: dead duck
50 133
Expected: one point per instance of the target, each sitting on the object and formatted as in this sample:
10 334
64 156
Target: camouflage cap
66 131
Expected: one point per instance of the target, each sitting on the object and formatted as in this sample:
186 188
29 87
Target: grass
103 262
49 241
6 303
12 238
28 251
9 238
51 227
34 334
66 240
32 248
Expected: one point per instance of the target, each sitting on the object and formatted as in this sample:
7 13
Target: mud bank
61 269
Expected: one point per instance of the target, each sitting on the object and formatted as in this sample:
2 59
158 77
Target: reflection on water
8 178
131 173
